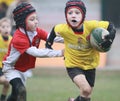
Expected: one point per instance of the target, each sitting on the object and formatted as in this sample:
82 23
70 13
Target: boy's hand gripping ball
98 39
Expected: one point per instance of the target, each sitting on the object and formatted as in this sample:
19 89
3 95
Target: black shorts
89 74
1 73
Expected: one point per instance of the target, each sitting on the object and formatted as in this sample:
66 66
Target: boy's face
74 17
32 22
5 28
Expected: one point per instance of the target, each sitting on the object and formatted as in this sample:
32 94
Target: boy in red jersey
5 38
23 50
81 59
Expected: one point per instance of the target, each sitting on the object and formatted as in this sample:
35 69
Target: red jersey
21 43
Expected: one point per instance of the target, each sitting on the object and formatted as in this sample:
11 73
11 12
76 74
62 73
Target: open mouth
74 21
6 32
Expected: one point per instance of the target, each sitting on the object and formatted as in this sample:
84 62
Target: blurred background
51 12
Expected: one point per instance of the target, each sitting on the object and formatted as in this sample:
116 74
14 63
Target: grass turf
55 85
51 84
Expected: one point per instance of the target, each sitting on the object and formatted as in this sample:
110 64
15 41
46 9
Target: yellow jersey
78 51
3 48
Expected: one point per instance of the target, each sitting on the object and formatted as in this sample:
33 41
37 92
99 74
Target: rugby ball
97 37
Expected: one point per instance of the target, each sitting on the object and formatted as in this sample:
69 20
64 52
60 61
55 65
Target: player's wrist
48 45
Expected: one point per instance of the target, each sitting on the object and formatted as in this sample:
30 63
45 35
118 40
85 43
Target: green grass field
54 85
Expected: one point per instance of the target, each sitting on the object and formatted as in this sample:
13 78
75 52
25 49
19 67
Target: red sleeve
20 42
42 33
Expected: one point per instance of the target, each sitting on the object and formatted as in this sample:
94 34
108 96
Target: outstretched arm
43 53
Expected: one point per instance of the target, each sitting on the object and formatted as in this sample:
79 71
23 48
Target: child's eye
3 26
36 18
69 12
77 12
8 26
32 19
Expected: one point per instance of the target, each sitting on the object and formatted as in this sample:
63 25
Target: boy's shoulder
90 21
19 37
94 21
61 25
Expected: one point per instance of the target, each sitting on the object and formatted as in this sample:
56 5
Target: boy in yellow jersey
81 59
5 38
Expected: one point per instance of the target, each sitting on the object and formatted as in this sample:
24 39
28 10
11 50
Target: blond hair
5 19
